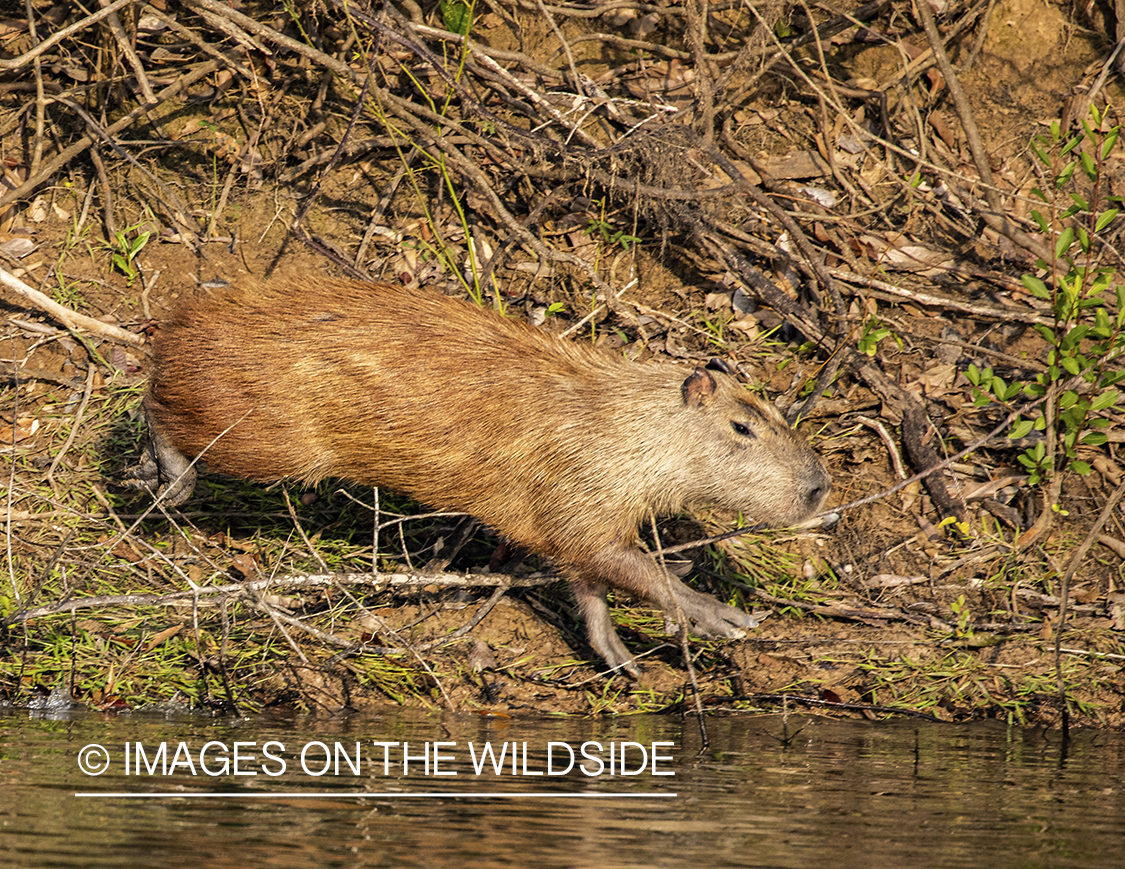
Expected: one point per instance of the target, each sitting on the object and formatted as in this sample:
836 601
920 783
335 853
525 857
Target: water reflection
841 793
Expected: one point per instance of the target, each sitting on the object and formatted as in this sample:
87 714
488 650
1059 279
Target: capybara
562 447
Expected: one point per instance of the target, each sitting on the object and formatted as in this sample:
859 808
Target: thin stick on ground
73 320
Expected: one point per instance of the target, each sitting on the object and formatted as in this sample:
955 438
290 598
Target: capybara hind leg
600 630
163 471
145 474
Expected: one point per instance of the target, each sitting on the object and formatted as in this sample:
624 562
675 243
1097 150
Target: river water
410 790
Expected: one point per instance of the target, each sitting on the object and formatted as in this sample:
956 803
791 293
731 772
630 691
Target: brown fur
563 448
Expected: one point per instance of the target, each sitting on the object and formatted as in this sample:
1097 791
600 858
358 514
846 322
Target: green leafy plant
1087 336
959 683
716 328
126 246
418 161
67 293
873 333
610 234
964 616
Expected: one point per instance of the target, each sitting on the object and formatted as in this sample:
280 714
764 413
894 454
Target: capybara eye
742 429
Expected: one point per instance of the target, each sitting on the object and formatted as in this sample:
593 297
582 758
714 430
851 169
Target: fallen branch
376 582
71 319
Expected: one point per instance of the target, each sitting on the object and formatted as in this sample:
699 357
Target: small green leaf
1102 327
1070 364
1094 439
1106 399
1088 166
1021 429
782 30
457 16
1103 280
1081 468
1044 330
1075 335
1105 218
1036 287
1066 239
1110 141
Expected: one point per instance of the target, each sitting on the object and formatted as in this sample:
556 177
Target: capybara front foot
709 617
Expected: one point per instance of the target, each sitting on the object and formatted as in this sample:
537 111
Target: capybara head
748 458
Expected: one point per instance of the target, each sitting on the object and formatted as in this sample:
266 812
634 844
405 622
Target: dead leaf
799 164
161 637
938 380
16 246
898 253
245 564
1117 611
481 657
891 580
37 211
24 428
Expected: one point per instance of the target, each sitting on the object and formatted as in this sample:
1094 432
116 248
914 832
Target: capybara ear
698 389
717 364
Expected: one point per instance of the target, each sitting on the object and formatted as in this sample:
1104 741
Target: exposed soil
620 200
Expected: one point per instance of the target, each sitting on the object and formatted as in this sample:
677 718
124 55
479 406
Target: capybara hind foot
600 630
163 471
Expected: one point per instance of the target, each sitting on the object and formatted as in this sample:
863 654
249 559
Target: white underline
492 795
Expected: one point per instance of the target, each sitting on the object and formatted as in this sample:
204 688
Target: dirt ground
817 200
